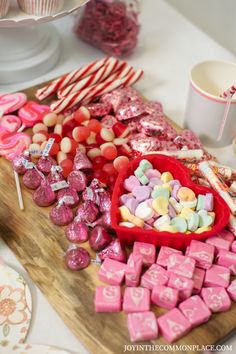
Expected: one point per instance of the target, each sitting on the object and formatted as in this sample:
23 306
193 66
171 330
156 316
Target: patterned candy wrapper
144 144
130 110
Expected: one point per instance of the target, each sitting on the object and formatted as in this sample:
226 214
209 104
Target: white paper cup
205 109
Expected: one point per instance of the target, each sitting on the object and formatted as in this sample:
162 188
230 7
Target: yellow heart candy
185 213
168 186
166 177
125 213
168 228
137 221
212 214
202 229
160 205
188 232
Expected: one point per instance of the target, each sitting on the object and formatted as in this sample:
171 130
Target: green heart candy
179 223
161 192
145 165
193 221
205 219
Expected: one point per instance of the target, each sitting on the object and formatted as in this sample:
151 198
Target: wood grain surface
39 246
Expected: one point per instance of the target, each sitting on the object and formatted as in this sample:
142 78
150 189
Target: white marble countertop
169 46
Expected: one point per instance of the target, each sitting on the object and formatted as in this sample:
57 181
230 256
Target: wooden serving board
39 245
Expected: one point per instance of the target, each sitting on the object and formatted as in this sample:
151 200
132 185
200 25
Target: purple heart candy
131 204
154 182
142 193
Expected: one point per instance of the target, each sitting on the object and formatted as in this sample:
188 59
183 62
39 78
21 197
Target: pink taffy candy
136 299
165 296
147 251
181 265
18 163
183 284
68 192
77 258
12 102
217 276
107 298
113 251
45 164
112 272
32 179
32 113
195 310
13 144
81 161
142 326
155 275
216 299
202 252
77 180
44 195
11 123
99 238
77 232
133 270
61 215
87 212
164 254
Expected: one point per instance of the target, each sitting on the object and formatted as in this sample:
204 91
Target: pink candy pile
111 26
191 286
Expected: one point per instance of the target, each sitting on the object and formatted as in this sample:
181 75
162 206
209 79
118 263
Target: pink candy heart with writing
130 183
11 102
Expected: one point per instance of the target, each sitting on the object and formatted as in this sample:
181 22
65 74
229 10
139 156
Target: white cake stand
29 48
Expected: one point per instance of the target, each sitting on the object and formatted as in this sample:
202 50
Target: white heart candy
144 212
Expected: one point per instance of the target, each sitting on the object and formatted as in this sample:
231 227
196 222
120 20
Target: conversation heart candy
160 191
141 193
193 221
154 182
144 212
179 223
186 194
205 219
12 102
151 173
130 183
163 220
160 205
166 177
131 204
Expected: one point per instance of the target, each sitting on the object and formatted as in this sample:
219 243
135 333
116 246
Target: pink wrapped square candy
155 275
217 276
112 272
218 242
142 326
165 296
147 251
232 290
133 270
227 259
202 252
173 325
164 254
195 310
216 299
181 265
107 298
184 285
198 278
136 299
226 235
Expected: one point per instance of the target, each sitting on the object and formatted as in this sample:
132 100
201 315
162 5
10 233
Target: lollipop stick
18 189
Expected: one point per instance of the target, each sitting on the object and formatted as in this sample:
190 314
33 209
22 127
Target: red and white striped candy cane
69 78
95 91
229 92
111 66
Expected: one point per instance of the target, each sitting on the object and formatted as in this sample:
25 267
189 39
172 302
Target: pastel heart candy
168 228
12 102
174 182
144 212
160 191
205 219
209 202
130 183
139 172
193 221
11 123
143 180
163 220
141 193
171 211
185 212
127 216
200 202
145 165
160 205
202 229
179 223
131 204
166 177
177 206
186 194
154 182
175 190
125 197
189 204
151 173
126 224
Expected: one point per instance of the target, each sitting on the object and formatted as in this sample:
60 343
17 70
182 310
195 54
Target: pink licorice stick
111 66
96 91
228 94
69 78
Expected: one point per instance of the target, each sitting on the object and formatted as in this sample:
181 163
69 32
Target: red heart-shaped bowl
177 240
